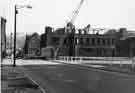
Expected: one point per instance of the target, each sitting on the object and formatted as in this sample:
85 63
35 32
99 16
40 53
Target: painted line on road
42 89
98 69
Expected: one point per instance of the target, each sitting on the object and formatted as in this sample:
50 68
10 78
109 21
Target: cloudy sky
98 13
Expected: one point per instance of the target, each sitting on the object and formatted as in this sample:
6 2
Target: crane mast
69 27
75 13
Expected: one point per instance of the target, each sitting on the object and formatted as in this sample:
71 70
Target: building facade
113 43
3 36
95 45
126 45
32 45
81 44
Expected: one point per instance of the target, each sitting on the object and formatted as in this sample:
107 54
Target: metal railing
99 60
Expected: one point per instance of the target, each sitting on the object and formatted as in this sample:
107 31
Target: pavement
13 80
58 77
27 62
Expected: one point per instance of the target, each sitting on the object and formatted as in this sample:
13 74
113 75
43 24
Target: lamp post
16 12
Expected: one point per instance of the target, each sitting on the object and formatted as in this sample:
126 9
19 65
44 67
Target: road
66 78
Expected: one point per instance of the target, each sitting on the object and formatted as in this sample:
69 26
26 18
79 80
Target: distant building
113 43
81 44
3 36
44 40
96 45
32 45
126 44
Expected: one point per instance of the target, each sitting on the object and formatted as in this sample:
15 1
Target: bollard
75 59
132 63
111 61
80 59
64 58
71 59
67 59
120 63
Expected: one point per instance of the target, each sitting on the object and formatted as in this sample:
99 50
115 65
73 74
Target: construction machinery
76 12
70 28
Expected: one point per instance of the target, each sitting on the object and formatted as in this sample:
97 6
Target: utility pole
11 46
14 53
0 42
16 12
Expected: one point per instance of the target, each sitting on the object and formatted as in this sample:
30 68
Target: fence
99 60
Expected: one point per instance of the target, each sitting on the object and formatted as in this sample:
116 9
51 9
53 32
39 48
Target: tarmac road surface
67 78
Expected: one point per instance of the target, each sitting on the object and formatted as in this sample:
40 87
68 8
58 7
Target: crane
76 12
69 27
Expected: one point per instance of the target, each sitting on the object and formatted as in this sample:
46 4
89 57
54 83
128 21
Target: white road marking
27 75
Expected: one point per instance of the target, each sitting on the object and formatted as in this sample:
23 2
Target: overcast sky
98 13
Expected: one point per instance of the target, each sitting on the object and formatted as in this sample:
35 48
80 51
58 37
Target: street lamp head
23 6
28 6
